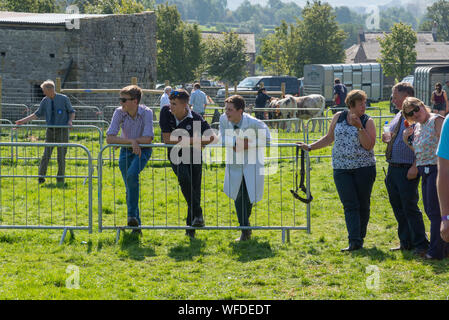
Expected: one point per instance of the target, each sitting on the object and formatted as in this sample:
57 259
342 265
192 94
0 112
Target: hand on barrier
136 148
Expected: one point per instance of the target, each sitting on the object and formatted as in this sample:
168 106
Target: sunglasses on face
410 114
124 99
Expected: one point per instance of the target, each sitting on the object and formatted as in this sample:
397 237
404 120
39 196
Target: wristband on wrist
309 148
445 218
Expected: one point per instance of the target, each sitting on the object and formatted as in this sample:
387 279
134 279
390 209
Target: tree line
316 33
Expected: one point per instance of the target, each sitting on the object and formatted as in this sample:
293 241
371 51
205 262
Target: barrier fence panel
25 203
14 111
162 205
89 136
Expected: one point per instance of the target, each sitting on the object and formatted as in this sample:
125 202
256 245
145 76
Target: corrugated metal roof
42 18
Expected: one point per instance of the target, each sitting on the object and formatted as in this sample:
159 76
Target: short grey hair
167 88
48 84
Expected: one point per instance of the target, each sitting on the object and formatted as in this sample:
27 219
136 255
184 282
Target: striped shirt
401 153
140 126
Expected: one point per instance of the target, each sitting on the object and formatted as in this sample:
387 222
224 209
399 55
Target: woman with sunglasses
426 133
439 100
354 136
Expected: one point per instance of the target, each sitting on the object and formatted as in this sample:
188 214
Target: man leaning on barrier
244 176
186 128
58 111
136 124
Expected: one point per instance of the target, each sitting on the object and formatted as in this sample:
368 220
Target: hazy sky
233 4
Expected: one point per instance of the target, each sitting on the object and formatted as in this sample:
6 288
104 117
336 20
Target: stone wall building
85 51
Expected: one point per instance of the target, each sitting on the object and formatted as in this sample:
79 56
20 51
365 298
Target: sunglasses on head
175 93
410 114
125 99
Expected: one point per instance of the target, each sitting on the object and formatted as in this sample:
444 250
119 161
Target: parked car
271 83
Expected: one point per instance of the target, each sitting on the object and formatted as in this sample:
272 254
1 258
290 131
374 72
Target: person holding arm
136 124
354 136
58 111
426 134
402 179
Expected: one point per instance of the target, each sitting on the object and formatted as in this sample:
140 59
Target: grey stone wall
105 52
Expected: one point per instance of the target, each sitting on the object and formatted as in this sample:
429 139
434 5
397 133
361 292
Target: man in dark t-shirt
189 132
340 92
261 100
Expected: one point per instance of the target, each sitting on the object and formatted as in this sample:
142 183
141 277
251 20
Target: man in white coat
245 138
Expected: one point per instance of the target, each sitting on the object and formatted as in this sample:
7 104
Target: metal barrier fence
82 112
162 206
27 204
14 111
81 134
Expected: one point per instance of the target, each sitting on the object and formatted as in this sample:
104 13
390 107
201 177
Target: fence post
283 89
167 83
134 81
226 90
235 87
58 85
0 97
261 85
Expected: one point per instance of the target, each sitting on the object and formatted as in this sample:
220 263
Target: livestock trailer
425 79
319 79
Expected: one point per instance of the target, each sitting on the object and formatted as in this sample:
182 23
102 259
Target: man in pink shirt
136 124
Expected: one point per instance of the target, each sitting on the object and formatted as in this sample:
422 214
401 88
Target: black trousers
243 205
189 179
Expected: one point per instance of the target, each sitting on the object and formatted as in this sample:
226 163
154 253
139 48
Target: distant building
103 51
250 44
428 51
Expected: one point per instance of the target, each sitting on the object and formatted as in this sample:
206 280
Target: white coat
248 163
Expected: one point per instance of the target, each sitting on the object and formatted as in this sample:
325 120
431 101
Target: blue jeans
130 166
404 196
354 188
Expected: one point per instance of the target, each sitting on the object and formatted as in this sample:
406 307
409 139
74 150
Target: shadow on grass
252 250
373 253
184 252
438 266
130 243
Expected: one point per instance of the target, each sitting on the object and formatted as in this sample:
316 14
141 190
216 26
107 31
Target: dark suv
271 83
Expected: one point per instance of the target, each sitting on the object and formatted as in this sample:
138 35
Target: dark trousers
243 205
404 196
259 115
354 188
438 249
54 135
189 179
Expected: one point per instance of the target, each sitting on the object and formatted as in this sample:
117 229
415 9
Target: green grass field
165 264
